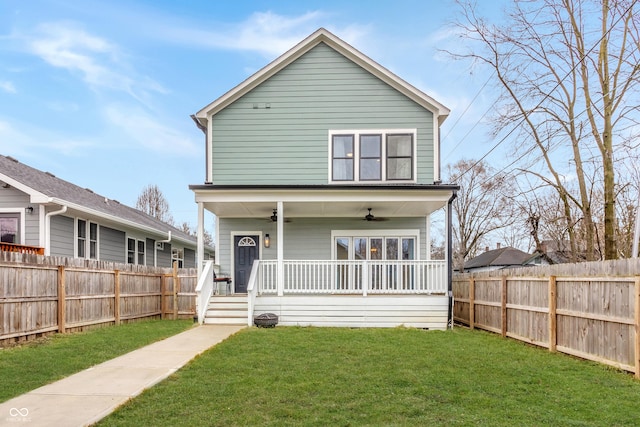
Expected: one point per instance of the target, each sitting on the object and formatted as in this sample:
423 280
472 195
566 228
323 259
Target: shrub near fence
588 310
39 295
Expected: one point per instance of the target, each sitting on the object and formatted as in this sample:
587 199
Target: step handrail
252 290
204 290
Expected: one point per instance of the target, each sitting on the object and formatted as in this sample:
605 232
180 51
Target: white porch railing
353 277
204 290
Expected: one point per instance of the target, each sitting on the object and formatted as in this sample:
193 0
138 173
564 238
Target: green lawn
41 362
404 377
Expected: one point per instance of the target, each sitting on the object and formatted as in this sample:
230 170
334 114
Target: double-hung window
373 156
135 251
86 239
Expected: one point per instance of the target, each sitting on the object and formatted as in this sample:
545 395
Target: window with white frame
177 255
372 156
86 239
375 247
9 227
136 251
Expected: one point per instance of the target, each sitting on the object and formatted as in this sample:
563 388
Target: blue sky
99 93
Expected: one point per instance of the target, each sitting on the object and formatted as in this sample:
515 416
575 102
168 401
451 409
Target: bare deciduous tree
481 207
568 73
188 229
152 202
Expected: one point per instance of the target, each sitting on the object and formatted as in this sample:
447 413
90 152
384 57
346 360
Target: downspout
47 226
450 258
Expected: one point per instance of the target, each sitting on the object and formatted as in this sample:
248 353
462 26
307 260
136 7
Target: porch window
9 226
369 156
378 250
361 248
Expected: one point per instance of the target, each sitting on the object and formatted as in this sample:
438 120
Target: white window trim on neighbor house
136 252
400 233
21 226
384 133
86 239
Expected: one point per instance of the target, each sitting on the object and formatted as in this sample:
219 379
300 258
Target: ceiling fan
371 217
274 217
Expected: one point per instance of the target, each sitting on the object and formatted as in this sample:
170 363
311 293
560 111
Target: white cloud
14 141
151 132
100 63
265 32
8 87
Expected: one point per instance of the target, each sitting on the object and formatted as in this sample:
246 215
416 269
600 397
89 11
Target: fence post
553 319
176 285
504 307
163 299
637 319
116 296
472 297
62 300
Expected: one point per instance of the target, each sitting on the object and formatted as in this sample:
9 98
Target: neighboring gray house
322 170
42 213
497 259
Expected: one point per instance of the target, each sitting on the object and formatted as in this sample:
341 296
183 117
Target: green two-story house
322 170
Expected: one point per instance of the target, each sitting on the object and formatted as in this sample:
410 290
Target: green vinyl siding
305 238
279 132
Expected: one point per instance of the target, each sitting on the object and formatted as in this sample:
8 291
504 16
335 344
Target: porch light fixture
267 241
29 209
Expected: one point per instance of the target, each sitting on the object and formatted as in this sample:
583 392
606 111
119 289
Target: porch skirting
418 311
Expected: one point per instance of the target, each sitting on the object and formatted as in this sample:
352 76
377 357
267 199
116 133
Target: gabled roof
503 257
46 188
323 36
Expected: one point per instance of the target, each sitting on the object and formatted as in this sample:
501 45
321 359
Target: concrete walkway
90 395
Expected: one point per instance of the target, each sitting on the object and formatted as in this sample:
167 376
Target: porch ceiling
325 202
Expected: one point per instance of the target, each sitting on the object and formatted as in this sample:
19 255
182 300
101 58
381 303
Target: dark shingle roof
502 257
84 199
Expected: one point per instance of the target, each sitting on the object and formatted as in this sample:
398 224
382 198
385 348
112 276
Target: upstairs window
373 156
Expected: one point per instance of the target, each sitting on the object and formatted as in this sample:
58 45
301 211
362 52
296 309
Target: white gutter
114 219
47 228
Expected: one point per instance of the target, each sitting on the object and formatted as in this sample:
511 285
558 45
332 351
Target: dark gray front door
245 252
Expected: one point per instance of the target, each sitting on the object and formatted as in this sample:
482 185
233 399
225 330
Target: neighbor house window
370 156
87 239
141 246
177 255
9 228
135 251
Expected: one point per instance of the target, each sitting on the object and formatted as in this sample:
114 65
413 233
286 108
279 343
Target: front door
245 252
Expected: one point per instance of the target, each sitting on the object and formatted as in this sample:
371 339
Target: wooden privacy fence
589 310
40 294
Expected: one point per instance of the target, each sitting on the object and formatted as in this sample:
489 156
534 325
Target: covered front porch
319 260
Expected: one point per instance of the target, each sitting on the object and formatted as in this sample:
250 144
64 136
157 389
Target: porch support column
449 256
280 249
200 237
427 230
